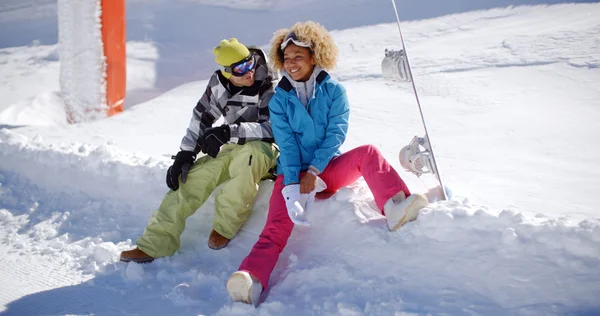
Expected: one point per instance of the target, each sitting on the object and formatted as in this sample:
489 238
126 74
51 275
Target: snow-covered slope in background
510 96
185 31
30 82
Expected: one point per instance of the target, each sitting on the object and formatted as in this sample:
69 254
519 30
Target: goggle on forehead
241 67
292 38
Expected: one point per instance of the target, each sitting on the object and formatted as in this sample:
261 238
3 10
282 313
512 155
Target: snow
510 96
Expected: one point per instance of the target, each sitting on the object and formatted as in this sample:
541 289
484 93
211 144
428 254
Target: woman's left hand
308 183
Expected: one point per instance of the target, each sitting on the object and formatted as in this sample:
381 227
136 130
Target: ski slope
511 101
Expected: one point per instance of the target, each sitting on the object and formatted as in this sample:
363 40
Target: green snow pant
240 167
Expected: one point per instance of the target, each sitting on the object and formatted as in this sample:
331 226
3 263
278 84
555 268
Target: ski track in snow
68 209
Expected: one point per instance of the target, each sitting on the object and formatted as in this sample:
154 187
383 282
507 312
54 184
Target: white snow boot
243 287
400 210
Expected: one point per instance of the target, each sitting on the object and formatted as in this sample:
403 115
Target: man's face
246 80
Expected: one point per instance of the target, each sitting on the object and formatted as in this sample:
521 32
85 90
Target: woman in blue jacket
309 116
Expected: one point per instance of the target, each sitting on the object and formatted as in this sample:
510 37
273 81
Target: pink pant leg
368 162
265 253
365 161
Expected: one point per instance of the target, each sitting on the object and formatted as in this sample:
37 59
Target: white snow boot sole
399 214
242 288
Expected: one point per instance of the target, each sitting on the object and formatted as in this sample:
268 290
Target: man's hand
181 166
213 139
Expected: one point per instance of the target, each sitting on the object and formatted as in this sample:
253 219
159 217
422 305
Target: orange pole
113 39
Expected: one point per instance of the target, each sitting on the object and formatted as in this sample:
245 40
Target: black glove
213 139
181 166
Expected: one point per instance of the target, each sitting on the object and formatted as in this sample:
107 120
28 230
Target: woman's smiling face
298 62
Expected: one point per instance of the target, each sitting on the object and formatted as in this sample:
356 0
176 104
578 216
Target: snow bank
102 171
86 204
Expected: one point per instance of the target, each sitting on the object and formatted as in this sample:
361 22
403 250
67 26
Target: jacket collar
287 86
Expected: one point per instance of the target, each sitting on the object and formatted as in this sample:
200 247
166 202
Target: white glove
310 200
297 203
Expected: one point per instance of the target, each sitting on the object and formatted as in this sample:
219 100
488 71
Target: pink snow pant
365 161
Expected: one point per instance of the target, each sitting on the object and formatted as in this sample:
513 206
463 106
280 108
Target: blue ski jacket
311 135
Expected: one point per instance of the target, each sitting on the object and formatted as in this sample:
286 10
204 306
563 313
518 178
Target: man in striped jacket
239 153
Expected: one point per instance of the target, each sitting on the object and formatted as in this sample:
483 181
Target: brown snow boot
136 255
216 241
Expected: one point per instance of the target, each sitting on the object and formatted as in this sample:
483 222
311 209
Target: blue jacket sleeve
289 157
337 127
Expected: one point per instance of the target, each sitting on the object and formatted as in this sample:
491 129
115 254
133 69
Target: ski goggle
242 67
292 38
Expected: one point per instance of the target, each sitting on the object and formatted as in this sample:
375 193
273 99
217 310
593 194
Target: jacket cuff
234 133
318 165
291 176
314 170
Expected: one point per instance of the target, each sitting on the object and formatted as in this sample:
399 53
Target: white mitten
311 196
297 203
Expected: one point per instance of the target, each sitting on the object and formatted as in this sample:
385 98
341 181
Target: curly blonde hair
323 47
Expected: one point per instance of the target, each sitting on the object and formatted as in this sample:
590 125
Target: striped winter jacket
246 112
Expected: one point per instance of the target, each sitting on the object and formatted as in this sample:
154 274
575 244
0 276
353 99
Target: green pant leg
162 235
233 204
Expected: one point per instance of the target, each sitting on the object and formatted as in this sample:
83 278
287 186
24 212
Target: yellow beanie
230 52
